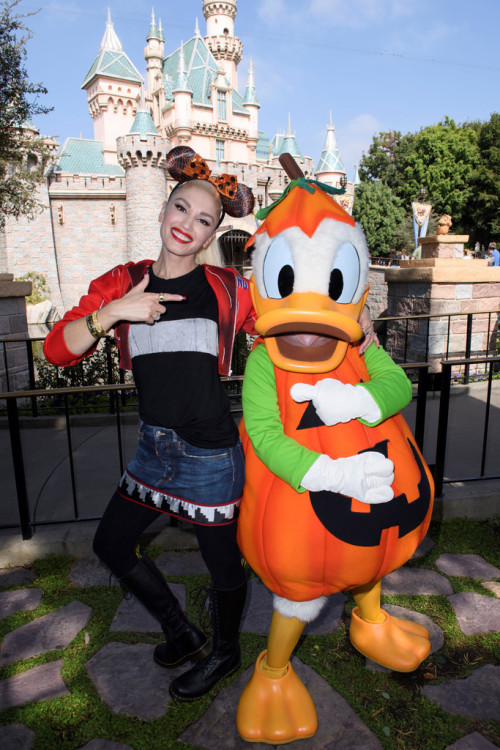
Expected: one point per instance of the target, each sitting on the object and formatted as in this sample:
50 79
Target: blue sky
376 64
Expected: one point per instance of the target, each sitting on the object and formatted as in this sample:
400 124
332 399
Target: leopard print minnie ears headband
184 165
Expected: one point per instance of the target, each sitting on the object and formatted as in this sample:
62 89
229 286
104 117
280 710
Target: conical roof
250 91
289 145
330 160
111 60
143 124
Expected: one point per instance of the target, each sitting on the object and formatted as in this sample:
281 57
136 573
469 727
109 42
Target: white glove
366 477
337 402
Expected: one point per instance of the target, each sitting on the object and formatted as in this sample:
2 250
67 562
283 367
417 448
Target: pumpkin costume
337 493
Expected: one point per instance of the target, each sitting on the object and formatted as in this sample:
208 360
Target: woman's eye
278 269
345 274
180 207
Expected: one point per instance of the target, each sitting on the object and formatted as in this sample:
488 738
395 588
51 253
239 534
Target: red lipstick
180 236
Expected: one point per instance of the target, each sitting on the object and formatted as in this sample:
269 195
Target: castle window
221 105
219 151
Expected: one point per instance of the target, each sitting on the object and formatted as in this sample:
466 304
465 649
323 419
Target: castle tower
251 104
224 46
154 52
330 167
183 97
141 153
112 85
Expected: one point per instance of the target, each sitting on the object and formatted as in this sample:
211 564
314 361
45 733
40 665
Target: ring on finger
161 297
157 317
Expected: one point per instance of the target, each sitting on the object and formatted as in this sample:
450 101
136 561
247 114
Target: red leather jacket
233 298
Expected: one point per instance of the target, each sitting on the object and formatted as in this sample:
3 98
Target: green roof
143 125
201 71
82 156
330 159
113 64
263 147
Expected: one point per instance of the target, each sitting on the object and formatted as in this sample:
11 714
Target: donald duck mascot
337 493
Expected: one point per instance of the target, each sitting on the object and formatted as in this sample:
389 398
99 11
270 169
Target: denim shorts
201 485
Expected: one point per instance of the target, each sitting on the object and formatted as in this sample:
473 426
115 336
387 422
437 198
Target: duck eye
345 274
278 269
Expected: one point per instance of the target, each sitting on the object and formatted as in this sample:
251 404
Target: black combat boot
226 608
184 640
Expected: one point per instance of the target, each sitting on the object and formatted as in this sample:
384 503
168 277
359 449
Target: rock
477 696
18 600
476 613
130 682
16 737
37 684
92 572
16 576
474 741
472 566
415 581
339 726
53 631
423 548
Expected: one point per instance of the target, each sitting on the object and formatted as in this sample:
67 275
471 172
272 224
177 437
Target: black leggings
124 521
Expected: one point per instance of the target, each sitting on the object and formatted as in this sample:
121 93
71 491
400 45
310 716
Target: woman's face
189 218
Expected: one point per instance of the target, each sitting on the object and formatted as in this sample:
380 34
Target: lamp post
343 182
260 200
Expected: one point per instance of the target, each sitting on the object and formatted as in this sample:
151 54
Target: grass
390 704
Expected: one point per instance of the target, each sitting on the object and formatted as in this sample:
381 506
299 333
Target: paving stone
100 744
37 684
476 613
53 631
423 548
132 616
339 727
472 566
474 741
16 576
493 586
16 737
415 581
186 563
435 633
259 609
130 682
16 601
476 696
91 572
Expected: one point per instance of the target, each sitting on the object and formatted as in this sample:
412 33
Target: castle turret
154 53
330 167
289 144
251 104
183 98
224 46
142 154
112 85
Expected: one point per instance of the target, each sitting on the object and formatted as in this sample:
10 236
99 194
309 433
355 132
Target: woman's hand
366 323
137 306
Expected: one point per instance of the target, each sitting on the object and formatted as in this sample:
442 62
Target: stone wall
377 298
13 325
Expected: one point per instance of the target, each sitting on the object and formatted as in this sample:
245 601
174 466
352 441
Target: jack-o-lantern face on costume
310 281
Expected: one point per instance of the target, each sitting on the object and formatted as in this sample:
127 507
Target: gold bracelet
94 326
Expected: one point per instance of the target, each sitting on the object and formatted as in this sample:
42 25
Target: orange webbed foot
389 644
275 710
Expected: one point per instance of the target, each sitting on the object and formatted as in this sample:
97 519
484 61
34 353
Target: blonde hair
211 255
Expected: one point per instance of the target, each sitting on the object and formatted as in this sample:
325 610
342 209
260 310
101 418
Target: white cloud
355 137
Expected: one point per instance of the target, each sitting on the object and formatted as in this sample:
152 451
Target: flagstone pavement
123 673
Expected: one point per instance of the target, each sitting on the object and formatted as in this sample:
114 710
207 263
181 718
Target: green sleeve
282 454
388 384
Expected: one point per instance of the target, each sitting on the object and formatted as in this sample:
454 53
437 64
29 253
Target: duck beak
307 331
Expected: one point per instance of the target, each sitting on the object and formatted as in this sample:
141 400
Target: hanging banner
421 212
346 202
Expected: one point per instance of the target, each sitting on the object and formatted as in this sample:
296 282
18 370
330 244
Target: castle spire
181 80
110 40
330 159
153 31
289 144
250 91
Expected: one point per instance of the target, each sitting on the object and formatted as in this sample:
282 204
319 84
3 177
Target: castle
103 196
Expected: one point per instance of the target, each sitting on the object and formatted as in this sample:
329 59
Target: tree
23 154
380 213
484 203
441 158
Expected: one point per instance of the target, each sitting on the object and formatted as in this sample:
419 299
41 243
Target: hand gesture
337 402
367 477
138 305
